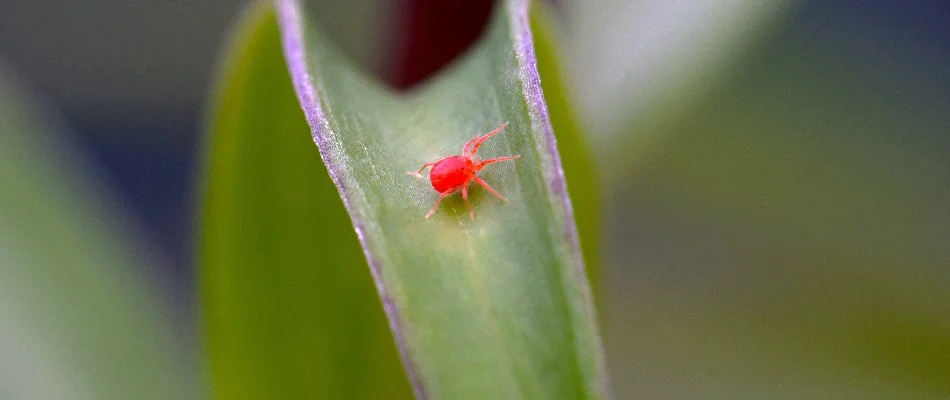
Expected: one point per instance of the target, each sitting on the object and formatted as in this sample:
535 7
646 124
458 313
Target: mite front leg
472 146
419 172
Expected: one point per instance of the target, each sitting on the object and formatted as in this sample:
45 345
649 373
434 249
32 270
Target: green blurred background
775 174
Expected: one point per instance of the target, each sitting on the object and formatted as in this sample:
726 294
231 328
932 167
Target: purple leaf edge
557 184
292 36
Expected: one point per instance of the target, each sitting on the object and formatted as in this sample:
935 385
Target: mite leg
439 200
436 206
471 214
419 172
482 164
471 147
489 188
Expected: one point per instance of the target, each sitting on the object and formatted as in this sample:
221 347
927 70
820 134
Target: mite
454 173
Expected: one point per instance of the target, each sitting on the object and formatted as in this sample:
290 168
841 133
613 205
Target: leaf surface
291 312
498 307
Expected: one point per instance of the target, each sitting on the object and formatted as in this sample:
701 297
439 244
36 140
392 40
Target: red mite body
454 173
451 172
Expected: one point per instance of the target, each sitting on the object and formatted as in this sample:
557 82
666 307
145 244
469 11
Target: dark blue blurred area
903 23
131 79
151 161
862 29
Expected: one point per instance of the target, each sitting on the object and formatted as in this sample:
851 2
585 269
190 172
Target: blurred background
776 175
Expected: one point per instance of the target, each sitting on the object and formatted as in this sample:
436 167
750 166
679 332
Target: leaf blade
516 273
290 311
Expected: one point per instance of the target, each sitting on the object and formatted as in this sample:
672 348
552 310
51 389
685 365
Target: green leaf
78 319
291 311
579 167
493 308
497 307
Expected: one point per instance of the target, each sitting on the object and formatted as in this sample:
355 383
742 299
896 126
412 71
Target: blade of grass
290 310
579 167
495 308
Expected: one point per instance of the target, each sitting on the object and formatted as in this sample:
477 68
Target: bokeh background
776 175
